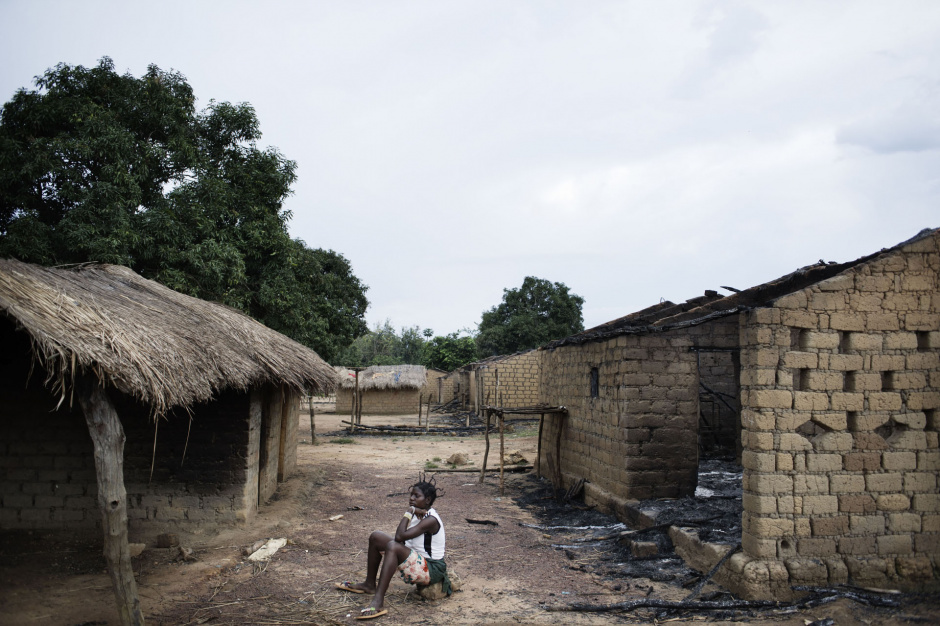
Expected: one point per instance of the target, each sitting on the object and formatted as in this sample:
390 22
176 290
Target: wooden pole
502 459
427 419
538 449
496 393
108 438
313 426
419 409
358 419
556 479
486 451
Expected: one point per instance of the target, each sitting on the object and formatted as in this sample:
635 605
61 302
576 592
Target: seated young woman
416 551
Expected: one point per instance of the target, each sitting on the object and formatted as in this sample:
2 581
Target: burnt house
825 384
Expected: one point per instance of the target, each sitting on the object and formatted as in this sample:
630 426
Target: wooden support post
313 425
419 409
556 479
427 416
502 459
538 449
486 450
108 438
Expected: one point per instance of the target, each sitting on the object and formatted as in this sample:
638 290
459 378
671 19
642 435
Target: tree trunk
107 434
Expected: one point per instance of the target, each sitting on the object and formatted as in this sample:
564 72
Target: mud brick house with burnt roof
833 375
207 399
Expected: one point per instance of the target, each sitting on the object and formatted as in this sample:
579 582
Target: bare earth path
510 573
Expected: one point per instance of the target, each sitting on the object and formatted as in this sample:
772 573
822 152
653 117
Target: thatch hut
170 410
384 389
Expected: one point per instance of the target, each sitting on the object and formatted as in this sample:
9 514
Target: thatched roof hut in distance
385 389
173 411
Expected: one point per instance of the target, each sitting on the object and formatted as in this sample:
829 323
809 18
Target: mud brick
857 503
904 522
874 283
889 483
846 401
759 504
928 460
810 484
916 420
862 342
786 505
793 441
820 380
846 483
807 571
887 362
899 460
867 524
816 546
830 526
801 360
895 544
861 461
869 441
759 461
767 484
893 502
820 505
884 401
920 401
926 502
847 321
856 545
758 547
927 544
828 302
930 523
914 567
784 462
809 401
923 361
841 442
824 462
771 399
920 482
882 321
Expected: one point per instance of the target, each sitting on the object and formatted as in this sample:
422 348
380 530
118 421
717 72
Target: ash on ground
599 543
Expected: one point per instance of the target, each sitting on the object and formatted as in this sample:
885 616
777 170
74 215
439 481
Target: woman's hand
420 513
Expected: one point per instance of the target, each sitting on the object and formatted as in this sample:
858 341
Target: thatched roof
153 343
384 377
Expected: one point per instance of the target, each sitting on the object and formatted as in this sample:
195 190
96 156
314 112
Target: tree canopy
384 346
97 166
534 314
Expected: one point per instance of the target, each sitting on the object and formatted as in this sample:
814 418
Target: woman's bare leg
395 554
377 542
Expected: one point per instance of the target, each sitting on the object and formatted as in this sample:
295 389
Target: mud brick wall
431 387
381 401
637 438
840 392
518 380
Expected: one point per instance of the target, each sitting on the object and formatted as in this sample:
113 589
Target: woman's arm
428 525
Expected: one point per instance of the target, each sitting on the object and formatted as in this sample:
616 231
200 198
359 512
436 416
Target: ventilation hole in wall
923 341
887 429
784 544
795 338
844 341
800 377
595 382
853 422
809 428
803 341
841 345
849 382
887 381
933 420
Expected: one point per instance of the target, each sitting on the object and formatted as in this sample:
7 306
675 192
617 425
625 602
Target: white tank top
427 545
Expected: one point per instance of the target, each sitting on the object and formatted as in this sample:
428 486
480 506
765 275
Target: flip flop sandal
345 586
370 612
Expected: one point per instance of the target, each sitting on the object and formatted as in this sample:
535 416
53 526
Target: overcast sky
635 151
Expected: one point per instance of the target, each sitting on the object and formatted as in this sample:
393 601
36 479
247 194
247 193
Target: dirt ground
531 560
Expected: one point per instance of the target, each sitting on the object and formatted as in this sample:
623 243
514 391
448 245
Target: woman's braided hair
428 486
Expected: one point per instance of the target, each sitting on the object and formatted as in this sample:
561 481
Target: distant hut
184 410
385 389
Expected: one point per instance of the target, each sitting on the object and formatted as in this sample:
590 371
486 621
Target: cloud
910 128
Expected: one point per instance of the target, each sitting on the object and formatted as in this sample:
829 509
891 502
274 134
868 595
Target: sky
634 151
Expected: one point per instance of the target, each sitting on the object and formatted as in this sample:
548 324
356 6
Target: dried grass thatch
384 377
158 345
